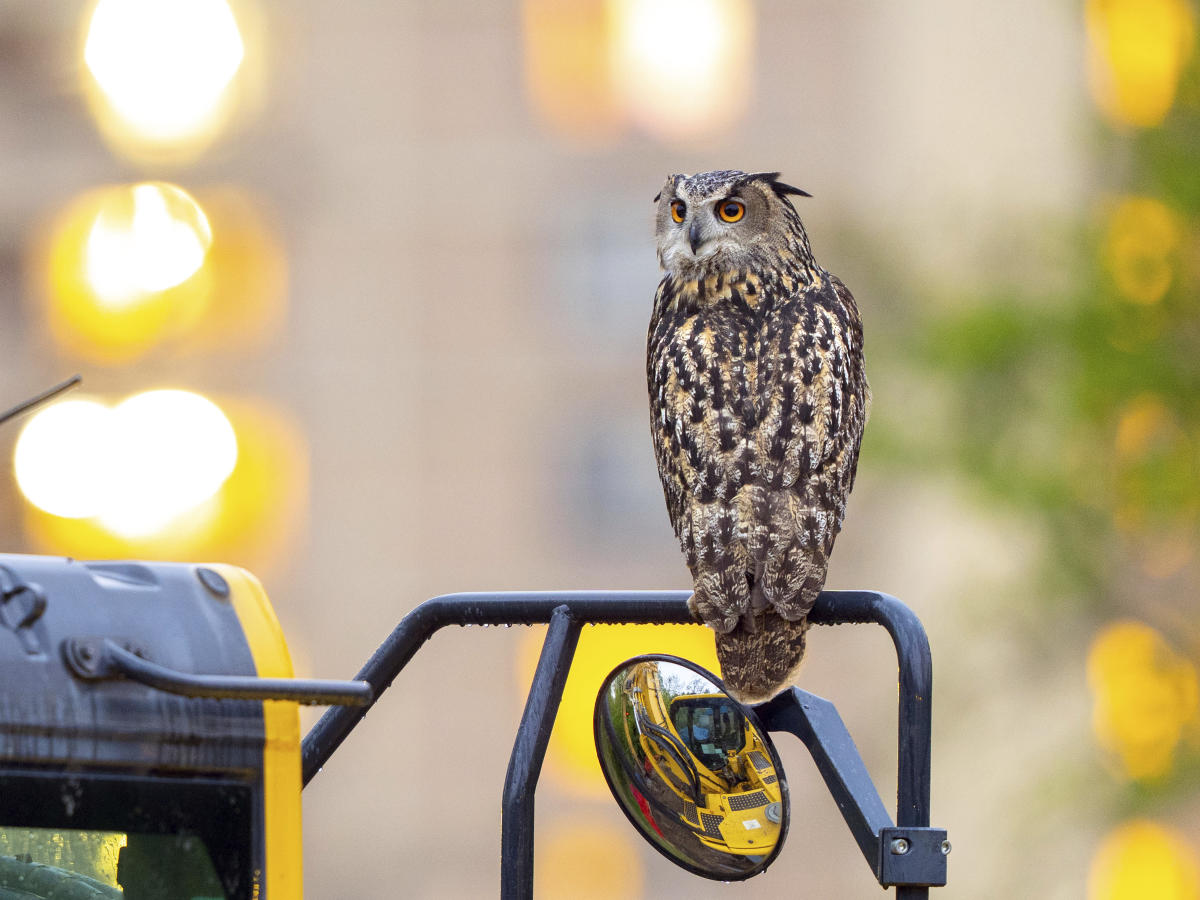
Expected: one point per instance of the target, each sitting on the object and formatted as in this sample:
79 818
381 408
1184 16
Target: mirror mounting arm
912 858
910 854
816 722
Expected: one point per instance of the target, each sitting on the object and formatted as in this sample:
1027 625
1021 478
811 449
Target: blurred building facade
430 270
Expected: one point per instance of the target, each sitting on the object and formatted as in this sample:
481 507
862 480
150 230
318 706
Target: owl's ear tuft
672 185
784 189
771 179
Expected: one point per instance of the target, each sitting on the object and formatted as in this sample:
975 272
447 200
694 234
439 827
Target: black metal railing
909 854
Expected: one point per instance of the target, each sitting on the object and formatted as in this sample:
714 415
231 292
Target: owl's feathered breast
758 398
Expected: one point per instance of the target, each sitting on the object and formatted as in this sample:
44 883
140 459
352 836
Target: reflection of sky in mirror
677 679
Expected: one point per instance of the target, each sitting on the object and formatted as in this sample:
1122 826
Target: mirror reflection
691 768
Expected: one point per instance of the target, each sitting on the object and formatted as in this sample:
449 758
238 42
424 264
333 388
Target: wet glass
60 864
691 768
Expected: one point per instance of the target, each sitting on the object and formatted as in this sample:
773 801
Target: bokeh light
675 68
682 67
123 269
247 271
61 458
1140 248
252 519
173 451
134 468
1136 52
143 242
567 56
571 759
1145 697
1142 860
588 861
162 71
129 270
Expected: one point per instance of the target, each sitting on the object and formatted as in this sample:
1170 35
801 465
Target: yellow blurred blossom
1142 421
1154 506
1136 52
1142 860
1144 697
1140 248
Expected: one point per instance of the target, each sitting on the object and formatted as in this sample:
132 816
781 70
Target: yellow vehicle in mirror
702 747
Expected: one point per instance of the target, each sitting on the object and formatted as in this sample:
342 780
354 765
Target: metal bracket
908 857
912 856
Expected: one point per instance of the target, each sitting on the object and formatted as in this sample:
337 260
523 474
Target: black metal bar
816 722
916 688
111 660
665 607
40 398
504 608
614 607
529 750
915 700
915 723
909 857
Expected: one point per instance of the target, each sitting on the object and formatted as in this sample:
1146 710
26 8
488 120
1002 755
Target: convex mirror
691 767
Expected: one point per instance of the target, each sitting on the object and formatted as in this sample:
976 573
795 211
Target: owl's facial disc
714 220
710 226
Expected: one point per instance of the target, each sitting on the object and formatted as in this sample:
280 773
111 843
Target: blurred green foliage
1081 406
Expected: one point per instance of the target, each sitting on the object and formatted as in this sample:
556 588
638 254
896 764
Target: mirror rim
753 719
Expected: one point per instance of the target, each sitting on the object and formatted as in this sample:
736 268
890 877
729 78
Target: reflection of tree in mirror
677 680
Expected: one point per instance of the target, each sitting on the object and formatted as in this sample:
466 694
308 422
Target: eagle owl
758 399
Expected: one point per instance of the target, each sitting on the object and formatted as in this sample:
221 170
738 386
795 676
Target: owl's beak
694 236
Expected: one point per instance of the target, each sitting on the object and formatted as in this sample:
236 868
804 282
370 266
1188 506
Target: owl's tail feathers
761 657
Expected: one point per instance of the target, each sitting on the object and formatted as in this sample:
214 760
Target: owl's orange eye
678 210
731 210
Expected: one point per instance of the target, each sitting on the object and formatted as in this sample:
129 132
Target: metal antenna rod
40 398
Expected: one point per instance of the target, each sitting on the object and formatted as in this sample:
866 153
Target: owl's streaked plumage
758 399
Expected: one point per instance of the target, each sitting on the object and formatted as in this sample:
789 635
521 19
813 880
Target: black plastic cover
167 613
